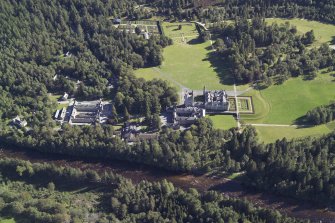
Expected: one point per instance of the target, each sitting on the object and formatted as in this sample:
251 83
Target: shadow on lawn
333 75
333 40
303 123
195 41
221 68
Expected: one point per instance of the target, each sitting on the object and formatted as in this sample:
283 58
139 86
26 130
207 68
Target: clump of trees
322 114
258 51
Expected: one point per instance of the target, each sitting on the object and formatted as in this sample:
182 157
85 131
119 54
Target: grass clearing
224 122
172 29
285 103
190 63
7 220
147 74
271 134
235 176
324 33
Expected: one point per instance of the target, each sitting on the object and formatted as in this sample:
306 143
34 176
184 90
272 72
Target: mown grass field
189 63
7 220
284 104
172 29
147 73
271 134
224 122
324 33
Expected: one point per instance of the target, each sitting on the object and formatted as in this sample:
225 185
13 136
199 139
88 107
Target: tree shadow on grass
195 41
209 48
221 68
333 40
303 123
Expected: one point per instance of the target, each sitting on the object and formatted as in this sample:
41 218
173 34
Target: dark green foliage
230 9
321 115
75 42
257 51
299 168
121 201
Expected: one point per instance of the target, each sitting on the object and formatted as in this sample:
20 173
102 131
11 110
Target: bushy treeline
298 168
72 46
259 51
230 9
122 201
173 150
199 149
203 148
321 114
42 192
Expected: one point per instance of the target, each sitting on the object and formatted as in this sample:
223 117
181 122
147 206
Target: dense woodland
299 168
43 193
230 9
302 167
35 37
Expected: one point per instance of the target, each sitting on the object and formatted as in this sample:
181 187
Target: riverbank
230 188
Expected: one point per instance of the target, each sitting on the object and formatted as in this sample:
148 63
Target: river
231 188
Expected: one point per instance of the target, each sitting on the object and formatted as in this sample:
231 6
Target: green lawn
7 220
224 122
191 64
55 97
172 30
284 104
147 74
271 134
323 32
235 176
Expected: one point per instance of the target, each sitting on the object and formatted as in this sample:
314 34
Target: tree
115 114
138 30
126 114
51 187
156 122
309 37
